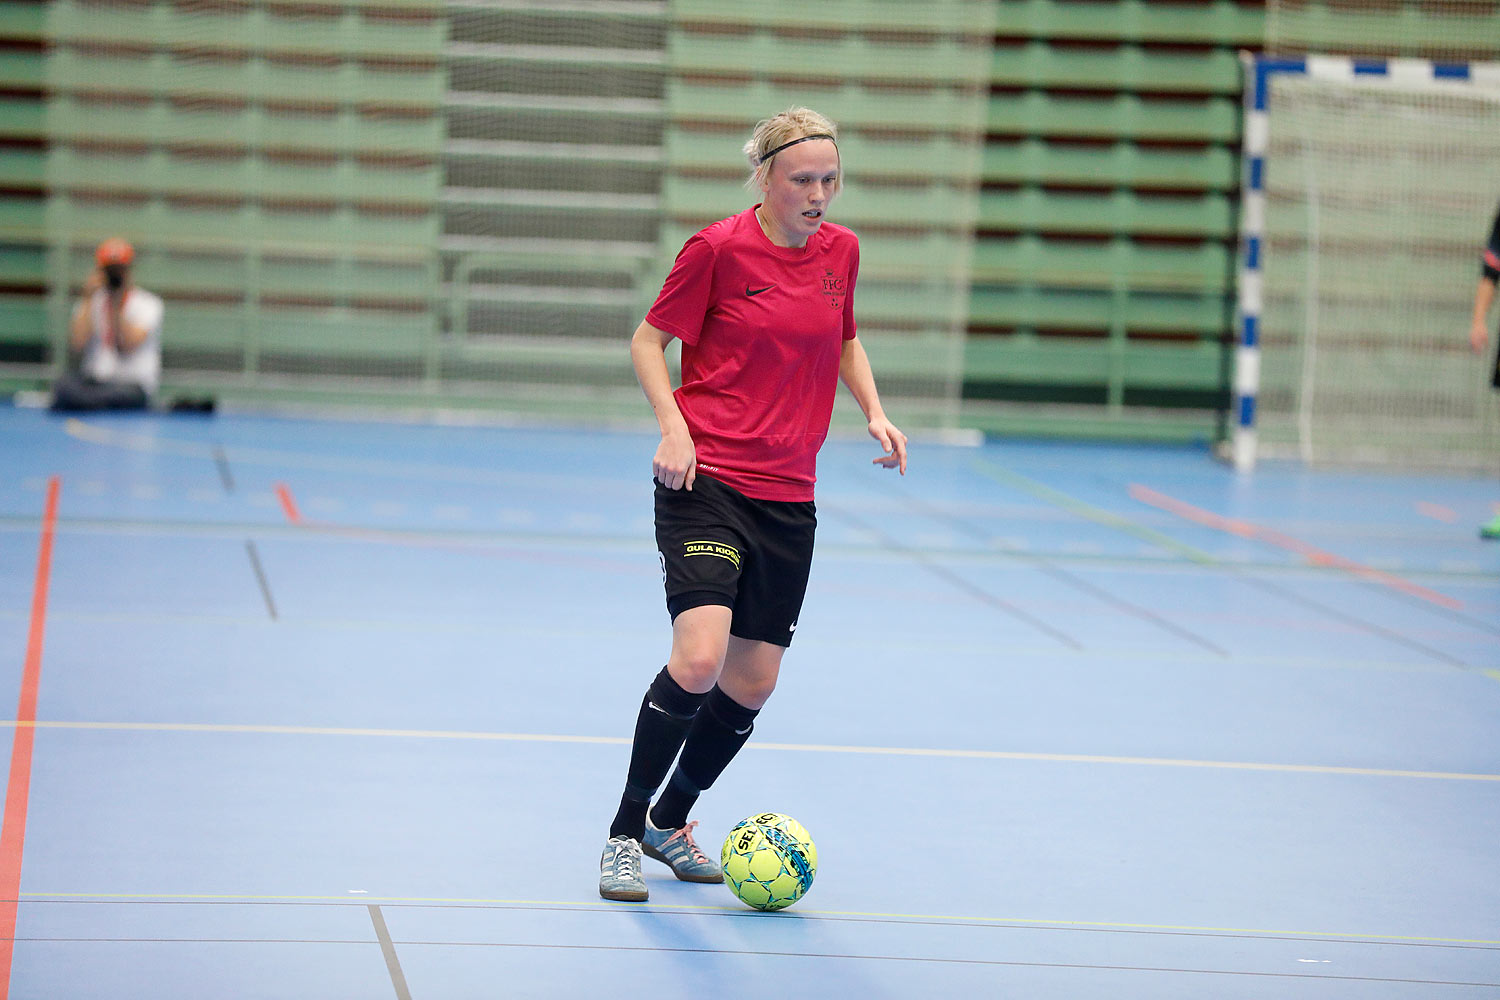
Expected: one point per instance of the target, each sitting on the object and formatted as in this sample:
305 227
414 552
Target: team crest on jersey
833 289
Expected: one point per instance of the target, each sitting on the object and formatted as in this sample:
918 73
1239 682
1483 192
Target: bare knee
695 669
700 639
750 671
751 694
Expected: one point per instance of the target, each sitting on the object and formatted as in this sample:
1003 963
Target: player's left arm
137 322
1484 296
132 335
854 369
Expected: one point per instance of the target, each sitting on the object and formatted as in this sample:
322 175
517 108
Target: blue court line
1088 511
226 477
388 950
1110 519
1430 601
1045 564
1242 528
943 573
260 577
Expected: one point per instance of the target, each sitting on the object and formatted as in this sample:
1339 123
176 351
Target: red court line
288 506
1314 555
18 791
1437 512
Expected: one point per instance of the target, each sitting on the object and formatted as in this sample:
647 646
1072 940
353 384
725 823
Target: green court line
952 754
1098 515
361 899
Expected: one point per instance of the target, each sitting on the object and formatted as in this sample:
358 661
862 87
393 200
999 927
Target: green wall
395 201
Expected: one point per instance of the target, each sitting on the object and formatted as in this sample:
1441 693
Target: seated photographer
114 339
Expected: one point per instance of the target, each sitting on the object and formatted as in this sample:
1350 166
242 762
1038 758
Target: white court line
956 754
1019 554
319 461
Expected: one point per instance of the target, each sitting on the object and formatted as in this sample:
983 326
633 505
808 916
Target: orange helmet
114 251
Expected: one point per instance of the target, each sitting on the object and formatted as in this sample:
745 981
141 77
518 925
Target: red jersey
762 330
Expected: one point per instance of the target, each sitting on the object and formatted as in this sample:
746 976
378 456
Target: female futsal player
763 303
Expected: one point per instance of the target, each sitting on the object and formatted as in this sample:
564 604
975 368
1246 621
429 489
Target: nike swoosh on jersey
752 292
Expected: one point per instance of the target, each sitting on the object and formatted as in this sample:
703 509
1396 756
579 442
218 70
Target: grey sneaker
676 848
620 871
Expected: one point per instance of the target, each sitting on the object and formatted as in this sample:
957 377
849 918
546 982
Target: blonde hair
781 128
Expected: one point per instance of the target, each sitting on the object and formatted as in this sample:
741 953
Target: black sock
715 737
662 724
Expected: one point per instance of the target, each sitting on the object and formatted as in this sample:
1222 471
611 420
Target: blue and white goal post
1422 77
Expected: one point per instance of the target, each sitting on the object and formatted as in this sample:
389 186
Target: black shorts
718 546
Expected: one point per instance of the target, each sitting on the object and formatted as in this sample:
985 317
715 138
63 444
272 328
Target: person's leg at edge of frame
715 738
1491 528
700 638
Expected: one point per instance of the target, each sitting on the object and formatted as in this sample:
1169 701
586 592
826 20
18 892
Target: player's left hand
1479 336
893 441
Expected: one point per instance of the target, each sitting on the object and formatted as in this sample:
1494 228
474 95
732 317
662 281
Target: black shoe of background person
192 404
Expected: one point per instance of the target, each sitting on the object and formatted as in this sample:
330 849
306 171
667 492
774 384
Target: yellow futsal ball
769 861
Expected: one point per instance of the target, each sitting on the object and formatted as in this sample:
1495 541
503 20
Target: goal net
1379 184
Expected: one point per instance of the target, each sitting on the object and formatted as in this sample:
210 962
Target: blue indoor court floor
304 707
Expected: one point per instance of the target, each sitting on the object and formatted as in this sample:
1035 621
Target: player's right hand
676 462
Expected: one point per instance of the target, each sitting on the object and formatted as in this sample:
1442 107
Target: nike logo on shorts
752 292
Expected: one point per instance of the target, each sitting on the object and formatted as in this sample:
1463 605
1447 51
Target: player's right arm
81 327
675 464
132 334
